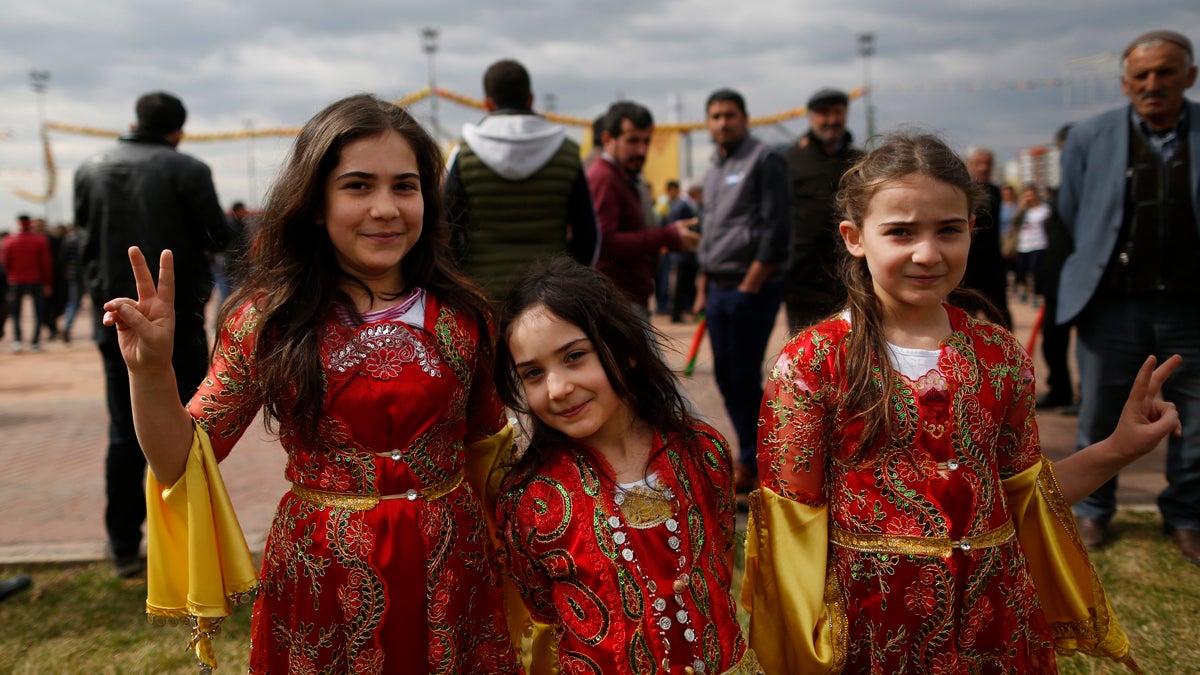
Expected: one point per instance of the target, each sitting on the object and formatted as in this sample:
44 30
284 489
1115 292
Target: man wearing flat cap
816 163
1130 199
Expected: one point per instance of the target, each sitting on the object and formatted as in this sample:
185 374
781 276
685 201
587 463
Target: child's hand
146 326
1146 419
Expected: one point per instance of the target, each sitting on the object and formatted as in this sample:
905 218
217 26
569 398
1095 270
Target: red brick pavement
52 444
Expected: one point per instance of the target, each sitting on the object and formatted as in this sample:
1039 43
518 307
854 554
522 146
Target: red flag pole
1037 328
697 339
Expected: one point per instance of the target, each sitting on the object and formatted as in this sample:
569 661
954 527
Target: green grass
81 619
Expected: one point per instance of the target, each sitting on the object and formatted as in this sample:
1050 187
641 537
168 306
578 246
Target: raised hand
1146 419
146 326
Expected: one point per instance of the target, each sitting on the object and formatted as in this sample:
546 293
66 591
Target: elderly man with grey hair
986 270
1130 199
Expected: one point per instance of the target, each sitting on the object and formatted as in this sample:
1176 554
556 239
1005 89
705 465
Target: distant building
1038 165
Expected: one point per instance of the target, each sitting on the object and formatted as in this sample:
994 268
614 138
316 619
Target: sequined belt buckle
364 502
928 546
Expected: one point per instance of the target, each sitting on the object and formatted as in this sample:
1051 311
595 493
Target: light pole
39 80
429 41
252 198
866 49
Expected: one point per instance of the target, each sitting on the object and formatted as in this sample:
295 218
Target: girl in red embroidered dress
371 357
618 519
907 519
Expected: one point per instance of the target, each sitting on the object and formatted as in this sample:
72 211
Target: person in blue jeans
743 256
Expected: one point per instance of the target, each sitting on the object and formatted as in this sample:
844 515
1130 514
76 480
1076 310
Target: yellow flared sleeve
797 615
198 563
481 459
1068 587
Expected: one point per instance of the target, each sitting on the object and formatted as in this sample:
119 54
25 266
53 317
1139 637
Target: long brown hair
584 297
871 385
293 278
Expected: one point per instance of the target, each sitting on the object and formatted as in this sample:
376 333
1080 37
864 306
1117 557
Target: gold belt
361 502
931 546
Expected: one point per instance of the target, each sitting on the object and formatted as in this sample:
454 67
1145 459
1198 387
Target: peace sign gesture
1145 421
146 326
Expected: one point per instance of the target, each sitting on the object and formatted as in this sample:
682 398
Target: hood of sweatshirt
514 146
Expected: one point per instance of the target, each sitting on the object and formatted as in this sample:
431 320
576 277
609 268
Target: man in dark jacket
987 272
815 165
142 192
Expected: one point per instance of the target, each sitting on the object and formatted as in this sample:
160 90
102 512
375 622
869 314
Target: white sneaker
17 346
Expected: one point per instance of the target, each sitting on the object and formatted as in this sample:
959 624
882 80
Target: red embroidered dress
926 571
566 538
406 585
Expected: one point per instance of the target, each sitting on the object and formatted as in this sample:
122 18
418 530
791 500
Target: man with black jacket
142 192
816 163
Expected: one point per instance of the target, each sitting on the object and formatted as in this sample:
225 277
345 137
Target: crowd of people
388 311
45 266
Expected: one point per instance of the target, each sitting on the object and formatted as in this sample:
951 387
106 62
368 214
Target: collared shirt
1162 141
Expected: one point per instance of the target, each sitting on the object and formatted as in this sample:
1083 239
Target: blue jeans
662 284
739 327
1113 337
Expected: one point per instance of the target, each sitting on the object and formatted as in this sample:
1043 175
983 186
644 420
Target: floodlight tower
429 42
866 49
38 81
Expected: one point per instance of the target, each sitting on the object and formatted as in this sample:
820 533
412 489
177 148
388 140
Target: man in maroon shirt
27 264
629 241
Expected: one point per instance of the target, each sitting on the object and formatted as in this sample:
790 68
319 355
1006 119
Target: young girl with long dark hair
618 519
907 521
370 355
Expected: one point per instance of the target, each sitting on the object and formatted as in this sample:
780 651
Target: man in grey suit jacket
1130 198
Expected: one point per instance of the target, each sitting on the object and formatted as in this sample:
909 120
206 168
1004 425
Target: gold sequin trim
747 665
929 546
360 502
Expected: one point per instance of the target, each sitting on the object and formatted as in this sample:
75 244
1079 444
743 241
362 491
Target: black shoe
1052 400
14 585
1093 532
1188 542
127 568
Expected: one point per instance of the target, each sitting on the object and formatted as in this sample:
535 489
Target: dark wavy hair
293 278
869 396
623 341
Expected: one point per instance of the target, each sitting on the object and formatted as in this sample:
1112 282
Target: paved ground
52 443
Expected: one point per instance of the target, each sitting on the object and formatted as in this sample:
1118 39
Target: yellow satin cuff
481 458
797 616
198 563
1068 587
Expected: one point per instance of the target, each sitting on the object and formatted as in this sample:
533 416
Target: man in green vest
515 191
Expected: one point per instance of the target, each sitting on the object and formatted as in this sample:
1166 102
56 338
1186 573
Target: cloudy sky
1002 74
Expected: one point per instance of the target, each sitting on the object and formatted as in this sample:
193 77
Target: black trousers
125 465
1056 342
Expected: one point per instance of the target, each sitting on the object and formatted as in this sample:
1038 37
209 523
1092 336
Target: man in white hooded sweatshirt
515 190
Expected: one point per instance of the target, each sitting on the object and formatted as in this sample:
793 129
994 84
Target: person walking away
144 192
25 256
515 191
